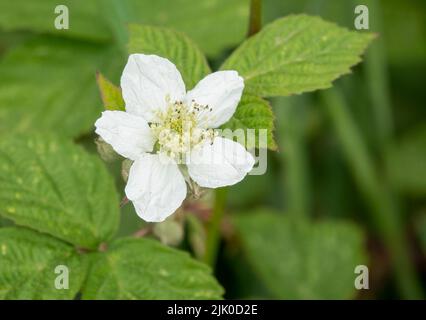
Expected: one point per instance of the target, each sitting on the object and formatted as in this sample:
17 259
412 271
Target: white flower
164 122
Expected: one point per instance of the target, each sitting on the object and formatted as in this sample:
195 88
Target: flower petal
145 83
221 91
129 135
156 188
222 163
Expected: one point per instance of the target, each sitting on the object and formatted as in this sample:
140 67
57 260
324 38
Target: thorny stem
213 227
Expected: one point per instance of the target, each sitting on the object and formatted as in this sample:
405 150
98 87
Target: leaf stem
384 212
255 22
213 227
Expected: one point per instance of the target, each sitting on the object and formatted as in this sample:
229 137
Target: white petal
129 135
145 83
221 91
156 188
220 164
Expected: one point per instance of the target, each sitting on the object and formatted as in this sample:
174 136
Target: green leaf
296 260
296 54
253 113
51 185
406 162
39 16
95 19
49 84
110 94
28 263
145 269
173 45
214 25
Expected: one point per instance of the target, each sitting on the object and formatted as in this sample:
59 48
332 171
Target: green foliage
100 20
406 162
112 98
28 262
297 260
48 83
53 186
296 54
130 269
173 45
39 16
214 25
253 113
145 269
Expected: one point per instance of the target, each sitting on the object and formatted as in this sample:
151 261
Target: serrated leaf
28 260
51 185
296 260
173 45
253 113
145 269
296 54
39 16
406 161
49 84
112 98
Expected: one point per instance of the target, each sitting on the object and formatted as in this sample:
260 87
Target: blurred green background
348 183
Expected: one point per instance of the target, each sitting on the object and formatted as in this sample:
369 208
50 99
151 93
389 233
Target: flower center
177 129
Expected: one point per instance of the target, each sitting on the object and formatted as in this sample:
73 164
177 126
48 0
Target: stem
255 22
213 227
384 212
